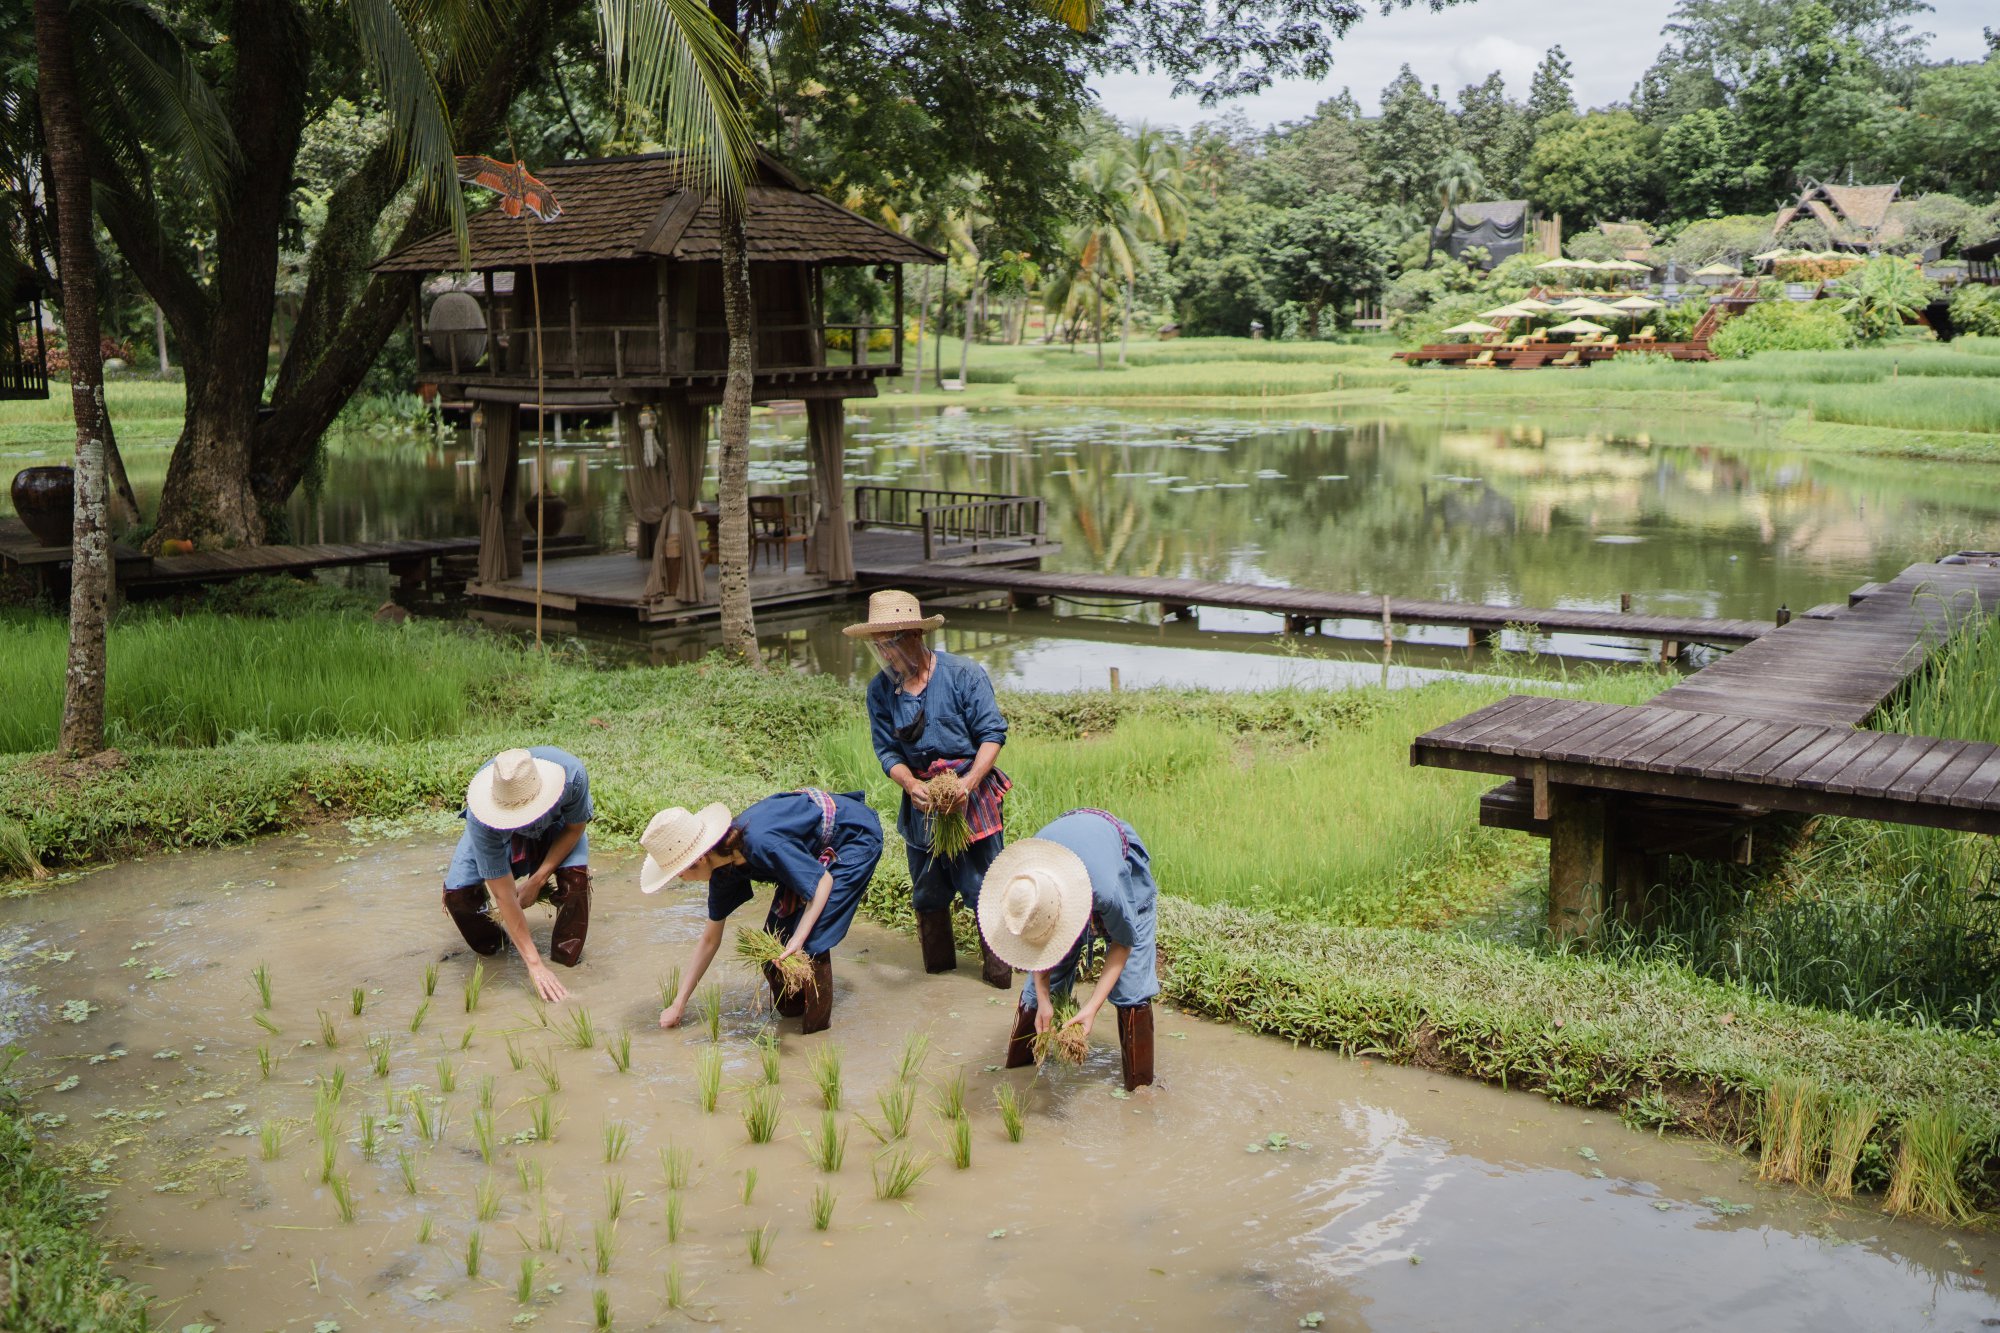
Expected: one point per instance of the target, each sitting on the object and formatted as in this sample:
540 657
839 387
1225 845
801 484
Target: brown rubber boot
993 970
1021 1042
934 934
788 1006
818 1010
572 900
467 910
1135 1044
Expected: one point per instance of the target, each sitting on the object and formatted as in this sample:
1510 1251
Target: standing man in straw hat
524 829
1084 876
930 712
818 848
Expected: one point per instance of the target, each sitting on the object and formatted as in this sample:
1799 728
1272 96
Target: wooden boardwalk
1771 727
1304 608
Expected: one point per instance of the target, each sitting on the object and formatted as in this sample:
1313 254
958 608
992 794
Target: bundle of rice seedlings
1064 1040
951 832
1929 1152
17 852
1792 1126
756 949
1850 1121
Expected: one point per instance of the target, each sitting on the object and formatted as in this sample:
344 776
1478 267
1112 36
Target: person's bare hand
670 1017
546 984
920 794
1042 1018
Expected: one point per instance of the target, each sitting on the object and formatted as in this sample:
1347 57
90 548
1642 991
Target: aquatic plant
619 1048
486 1200
749 1184
709 1005
959 1141
420 1111
1851 1118
758 1243
263 1060
822 1207
260 976
473 985
472 1248
674 1163
549 1238
336 1082
357 999
823 1066
542 1116
378 1054
368 1136
617 1140
916 1047
897 1101
828 1148
708 1077
614 1196
271 1139
1011 1119
531 1174
760 1113
343 1197
603 1240
440 1121
406 1167
582 1031
758 949
515 1058
483 1136
430 980
545 1069
675 1214
600 1309
897 1172
676 1291
1931 1148
266 1024
670 986
447 1074
524 1280
329 1154
950 830
950 1100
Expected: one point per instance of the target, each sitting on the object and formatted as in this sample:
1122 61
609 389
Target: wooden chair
774 527
1484 359
1608 340
1568 359
1644 335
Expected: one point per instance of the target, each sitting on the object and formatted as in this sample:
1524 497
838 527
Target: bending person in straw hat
1085 876
931 712
818 848
524 831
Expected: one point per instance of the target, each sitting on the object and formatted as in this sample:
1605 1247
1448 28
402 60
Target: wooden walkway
1304 608
1771 727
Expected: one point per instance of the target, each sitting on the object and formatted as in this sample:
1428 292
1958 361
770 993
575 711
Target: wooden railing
1016 520
586 351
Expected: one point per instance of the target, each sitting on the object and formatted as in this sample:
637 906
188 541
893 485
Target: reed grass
617 1140
604 1244
378 1054
749 1184
1011 1119
674 1165
473 985
710 1004
822 1207
897 1172
950 1100
767 1055
271 1140
823 1067
1927 1177
543 1119
407 1169
958 1139
524 1281
760 1113
329 1035
430 980
357 1000
546 1069
263 1060
676 1216
619 1048
474 1244
486 1199
758 1243
828 1148
708 1078
483 1136
1851 1120
343 1197
916 1048
447 1073
515 1057
582 1033
758 949
260 977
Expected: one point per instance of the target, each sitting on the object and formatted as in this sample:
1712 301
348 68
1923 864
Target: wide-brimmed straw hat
675 839
1033 903
892 611
514 790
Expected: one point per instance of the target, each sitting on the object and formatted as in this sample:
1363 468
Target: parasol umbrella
1584 305
1637 304
1558 263
1770 255
1506 312
1579 326
1472 327
1533 305
1718 271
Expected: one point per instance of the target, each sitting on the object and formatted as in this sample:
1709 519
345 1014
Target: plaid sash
825 803
982 804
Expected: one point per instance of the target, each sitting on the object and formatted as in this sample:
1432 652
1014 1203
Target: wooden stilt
1135 1044
1580 859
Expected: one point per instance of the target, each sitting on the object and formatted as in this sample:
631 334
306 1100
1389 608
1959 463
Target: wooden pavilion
1856 217
629 284
24 356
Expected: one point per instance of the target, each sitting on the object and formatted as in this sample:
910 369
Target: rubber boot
934 934
818 1010
1021 1042
467 909
1135 1044
572 900
993 971
788 1006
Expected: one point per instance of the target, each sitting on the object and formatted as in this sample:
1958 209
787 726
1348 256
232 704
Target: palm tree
1111 228
1458 178
1884 294
1158 186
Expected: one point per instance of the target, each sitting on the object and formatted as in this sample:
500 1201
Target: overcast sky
1609 43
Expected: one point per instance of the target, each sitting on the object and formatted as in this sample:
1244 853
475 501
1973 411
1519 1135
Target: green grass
59 1275
1221 379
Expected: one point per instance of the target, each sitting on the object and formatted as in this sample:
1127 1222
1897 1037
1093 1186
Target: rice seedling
897 1102
483 1136
916 1047
266 1024
1930 1152
600 1309
406 1167
749 1184
959 1141
823 1065
1850 1120
329 1155
708 1078
1792 1130
425 1226
710 1005
430 980
604 1241
758 949
486 1200
329 1035
617 1140
897 1173
1011 1118
950 830
417 1019
758 1243
676 1290
582 1031
619 1048
486 1092
674 1164
950 1100
369 1140
548 1237
447 1074
473 1245
263 1060
676 1214
378 1054
543 1118
760 1113
357 1000
465 1038
1064 1041
337 1081
532 1175
828 1148
822 1207
767 1055
440 1121
515 1057
390 1101
260 976
343 1197
473 985
422 1113
524 1280
614 1196
271 1140
670 986
545 1069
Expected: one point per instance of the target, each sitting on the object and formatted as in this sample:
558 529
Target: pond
1258 1185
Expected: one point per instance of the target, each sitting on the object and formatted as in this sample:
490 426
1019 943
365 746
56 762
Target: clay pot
45 498
554 508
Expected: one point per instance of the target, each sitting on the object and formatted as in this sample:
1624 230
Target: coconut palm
1458 178
1109 230
1883 295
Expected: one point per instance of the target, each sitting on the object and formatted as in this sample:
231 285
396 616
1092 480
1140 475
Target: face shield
901 655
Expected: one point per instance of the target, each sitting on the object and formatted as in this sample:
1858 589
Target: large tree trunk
1125 329
923 321
90 540
732 481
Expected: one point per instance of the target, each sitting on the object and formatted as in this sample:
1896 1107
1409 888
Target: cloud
1516 63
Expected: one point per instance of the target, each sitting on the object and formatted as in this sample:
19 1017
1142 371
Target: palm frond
676 61
408 84
142 68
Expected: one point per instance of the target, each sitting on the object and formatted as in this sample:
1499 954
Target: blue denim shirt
486 853
1123 899
960 715
781 846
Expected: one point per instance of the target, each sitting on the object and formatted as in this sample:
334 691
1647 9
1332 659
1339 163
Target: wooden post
662 315
575 322
416 322
896 283
1580 859
1388 636
1114 680
486 313
1625 603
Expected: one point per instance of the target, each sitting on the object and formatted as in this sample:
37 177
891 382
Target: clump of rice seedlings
600 1309
533 1177
473 985
1792 1129
708 1078
822 1207
486 1092
542 1116
614 1196
674 1163
440 1121
619 1048
483 1136
447 1074
897 1173
515 1056
676 1289
1064 1041
959 1141
675 1216
525 1279
420 1111
604 1241
617 1140
260 976
465 1038
337 1081
916 1047
582 1031
473 1245
264 1060
950 830
343 1197
368 1136
406 1167
1011 1118
357 1000
670 986
486 1200
950 1100
760 1113
417 1019
549 1238
710 1005
758 949
329 1155
546 1070
1930 1151
329 1035
749 1184
823 1065
378 1054
828 1148
430 980
758 1243
389 1102
425 1225
265 1023
271 1139
767 1055
1850 1120
897 1102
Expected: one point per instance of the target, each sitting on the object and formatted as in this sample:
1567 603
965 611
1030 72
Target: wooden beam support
1580 860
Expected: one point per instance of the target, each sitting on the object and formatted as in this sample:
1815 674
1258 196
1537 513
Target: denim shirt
960 715
1122 893
781 846
485 853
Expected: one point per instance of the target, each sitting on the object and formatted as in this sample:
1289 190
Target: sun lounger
1568 359
1644 335
1483 359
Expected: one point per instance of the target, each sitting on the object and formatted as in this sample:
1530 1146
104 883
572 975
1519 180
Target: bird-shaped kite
511 181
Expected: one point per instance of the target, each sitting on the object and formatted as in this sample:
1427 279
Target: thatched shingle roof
635 207
1499 212
1851 214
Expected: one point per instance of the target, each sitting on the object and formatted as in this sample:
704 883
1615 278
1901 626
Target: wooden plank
1939 790
1859 748
1919 774
1978 787
1876 777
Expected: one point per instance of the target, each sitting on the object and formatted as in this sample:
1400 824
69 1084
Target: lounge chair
1521 341
1608 340
1485 358
1568 359
1644 335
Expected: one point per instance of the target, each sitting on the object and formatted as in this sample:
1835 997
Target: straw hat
1033 903
514 790
675 839
892 611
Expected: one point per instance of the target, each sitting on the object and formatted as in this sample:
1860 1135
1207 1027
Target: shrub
1783 326
1975 309
1884 294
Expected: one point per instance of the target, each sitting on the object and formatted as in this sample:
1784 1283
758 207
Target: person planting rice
818 848
524 832
1086 876
937 731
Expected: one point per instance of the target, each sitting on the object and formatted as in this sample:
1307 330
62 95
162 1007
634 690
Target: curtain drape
495 445
833 541
685 438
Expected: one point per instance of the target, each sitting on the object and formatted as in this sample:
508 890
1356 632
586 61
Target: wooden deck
1535 356
1771 727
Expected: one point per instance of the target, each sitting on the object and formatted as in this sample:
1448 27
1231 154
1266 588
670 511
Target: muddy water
1389 1199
